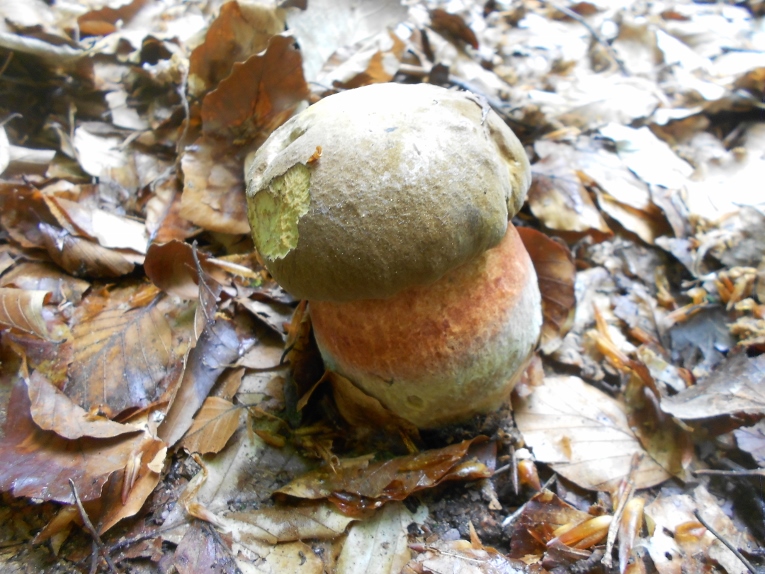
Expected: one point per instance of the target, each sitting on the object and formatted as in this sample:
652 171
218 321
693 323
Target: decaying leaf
583 434
45 277
378 545
358 484
461 556
736 386
128 344
81 257
203 550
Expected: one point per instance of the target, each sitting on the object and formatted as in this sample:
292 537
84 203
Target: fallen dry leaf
214 424
734 387
128 344
378 545
81 257
258 96
240 30
556 273
38 463
52 410
23 309
583 434
203 550
45 277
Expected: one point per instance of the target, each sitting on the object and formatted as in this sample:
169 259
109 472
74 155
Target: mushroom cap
373 190
441 353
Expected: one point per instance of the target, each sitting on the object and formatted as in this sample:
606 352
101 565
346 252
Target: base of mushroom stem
442 353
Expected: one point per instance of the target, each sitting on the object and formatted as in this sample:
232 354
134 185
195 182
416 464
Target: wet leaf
38 463
214 424
358 484
23 310
556 274
128 345
583 434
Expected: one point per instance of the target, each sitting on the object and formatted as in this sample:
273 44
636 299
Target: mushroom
387 207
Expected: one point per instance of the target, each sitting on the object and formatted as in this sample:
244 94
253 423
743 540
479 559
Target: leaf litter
176 388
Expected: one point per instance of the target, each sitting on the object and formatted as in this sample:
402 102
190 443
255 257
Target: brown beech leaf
735 386
213 188
22 309
556 274
22 210
128 345
461 556
172 268
53 410
558 198
358 484
82 257
259 94
370 61
452 26
583 434
38 463
214 424
202 549
240 30
217 348
107 229
46 277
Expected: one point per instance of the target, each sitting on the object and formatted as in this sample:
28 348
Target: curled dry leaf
82 257
583 434
357 485
23 310
556 273
53 410
736 386
46 277
214 424
38 463
128 346
172 268
558 198
213 188
240 30
218 347
258 96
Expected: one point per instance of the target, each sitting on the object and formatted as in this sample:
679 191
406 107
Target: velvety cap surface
376 189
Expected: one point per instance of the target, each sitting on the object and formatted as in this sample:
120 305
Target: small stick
736 551
98 546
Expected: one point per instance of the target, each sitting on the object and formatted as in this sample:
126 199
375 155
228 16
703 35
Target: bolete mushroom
388 208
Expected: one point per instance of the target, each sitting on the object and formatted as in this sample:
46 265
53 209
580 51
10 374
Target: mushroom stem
440 353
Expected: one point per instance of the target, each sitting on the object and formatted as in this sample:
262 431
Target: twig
749 565
514 516
98 546
593 32
731 473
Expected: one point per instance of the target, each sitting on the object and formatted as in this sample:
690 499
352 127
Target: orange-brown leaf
259 95
22 309
214 424
82 257
556 274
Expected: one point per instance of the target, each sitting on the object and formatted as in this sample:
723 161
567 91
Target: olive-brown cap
373 190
